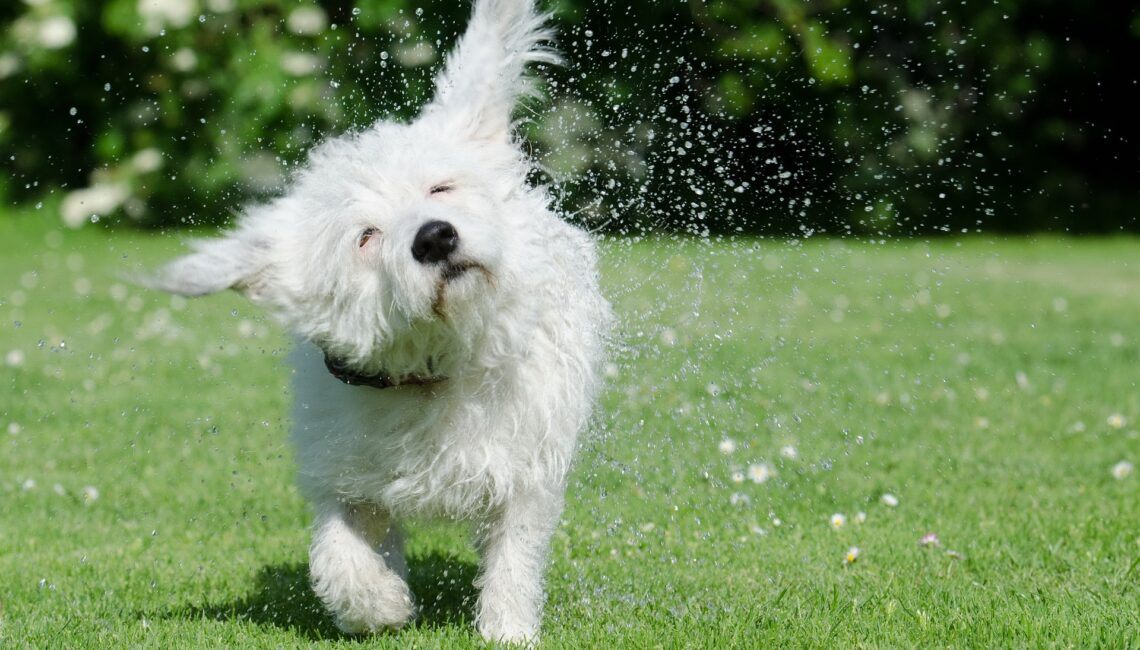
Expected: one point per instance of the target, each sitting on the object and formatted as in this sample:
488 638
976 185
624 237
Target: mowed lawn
784 423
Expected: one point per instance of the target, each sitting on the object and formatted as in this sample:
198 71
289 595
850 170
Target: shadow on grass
282 598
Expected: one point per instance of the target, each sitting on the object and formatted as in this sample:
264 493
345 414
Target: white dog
450 329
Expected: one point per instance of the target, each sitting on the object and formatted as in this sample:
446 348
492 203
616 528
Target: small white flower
9 65
739 499
100 200
727 446
1117 421
838 521
307 21
14 358
738 477
860 517
56 32
300 64
90 494
245 328
1122 470
789 452
147 160
852 555
760 472
889 500
29 484
1022 380
184 60
158 14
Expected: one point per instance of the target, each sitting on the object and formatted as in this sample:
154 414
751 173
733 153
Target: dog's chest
413 450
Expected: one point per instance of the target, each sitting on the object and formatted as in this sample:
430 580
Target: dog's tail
484 77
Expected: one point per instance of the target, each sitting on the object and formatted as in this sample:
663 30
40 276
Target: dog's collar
379 380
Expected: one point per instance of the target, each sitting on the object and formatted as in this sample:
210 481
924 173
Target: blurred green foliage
790 116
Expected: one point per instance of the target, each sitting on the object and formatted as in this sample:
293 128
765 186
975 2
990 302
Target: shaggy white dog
450 330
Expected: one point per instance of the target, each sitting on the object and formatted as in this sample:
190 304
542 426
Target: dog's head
393 245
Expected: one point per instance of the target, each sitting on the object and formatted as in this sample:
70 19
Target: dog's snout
435 242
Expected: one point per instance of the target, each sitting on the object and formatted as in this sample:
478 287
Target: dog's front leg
513 545
357 566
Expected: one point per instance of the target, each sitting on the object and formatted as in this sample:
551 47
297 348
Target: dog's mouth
451 273
454 270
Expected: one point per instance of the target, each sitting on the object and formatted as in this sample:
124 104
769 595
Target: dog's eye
366 235
442 188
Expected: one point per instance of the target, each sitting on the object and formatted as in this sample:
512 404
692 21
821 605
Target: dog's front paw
520 635
507 621
364 604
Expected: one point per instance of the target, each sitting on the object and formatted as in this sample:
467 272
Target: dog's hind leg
513 545
357 566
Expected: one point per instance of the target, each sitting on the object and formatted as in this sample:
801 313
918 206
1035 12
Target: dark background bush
783 116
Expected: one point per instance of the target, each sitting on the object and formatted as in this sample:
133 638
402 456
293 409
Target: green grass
978 380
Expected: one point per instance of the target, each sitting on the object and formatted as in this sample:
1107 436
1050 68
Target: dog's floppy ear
484 77
238 261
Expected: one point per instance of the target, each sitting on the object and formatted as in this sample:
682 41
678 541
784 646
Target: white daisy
760 472
1122 470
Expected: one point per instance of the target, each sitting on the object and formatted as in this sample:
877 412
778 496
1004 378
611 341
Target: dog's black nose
434 242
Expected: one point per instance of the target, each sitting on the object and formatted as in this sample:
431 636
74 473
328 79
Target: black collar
379 380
